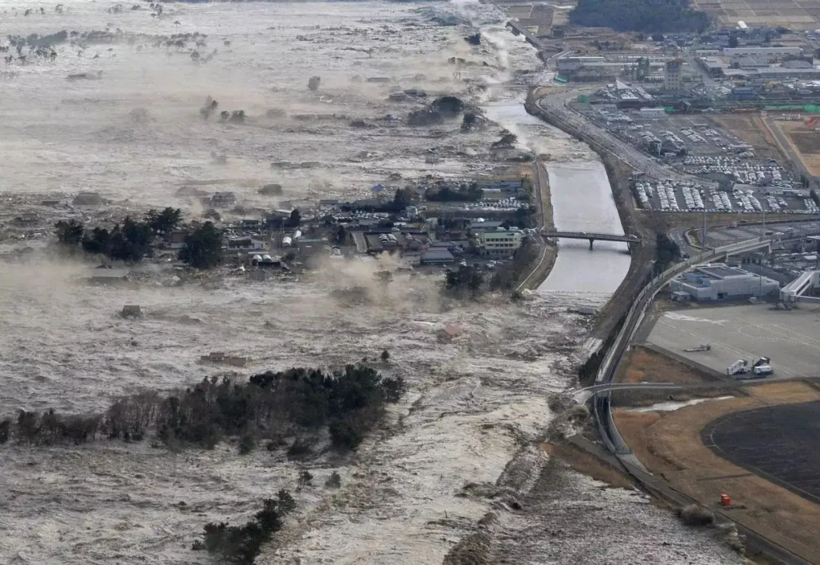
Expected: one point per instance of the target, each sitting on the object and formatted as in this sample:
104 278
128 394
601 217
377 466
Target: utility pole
760 266
703 233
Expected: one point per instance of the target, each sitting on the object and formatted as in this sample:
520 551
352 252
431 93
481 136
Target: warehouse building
769 53
719 282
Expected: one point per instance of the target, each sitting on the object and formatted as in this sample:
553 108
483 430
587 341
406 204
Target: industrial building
719 282
769 53
805 288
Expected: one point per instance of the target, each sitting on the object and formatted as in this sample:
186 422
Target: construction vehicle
739 367
701 347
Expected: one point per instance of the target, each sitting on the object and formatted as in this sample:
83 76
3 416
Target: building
87 199
106 275
672 74
720 282
768 53
499 244
223 200
713 66
652 112
245 244
437 256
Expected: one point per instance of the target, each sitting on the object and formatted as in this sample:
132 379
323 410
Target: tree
667 252
305 478
163 223
131 241
98 242
401 200
385 356
733 41
203 247
657 37
295 219
69 232
465 279
341 235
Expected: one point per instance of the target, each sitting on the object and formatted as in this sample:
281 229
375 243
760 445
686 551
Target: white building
652 113
499 243
719 282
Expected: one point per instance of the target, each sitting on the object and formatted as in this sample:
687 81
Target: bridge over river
591 236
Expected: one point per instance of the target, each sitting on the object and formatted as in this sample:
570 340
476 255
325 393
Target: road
786 147
556 106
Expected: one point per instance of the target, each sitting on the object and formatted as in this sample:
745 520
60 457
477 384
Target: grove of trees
469 193
273 405
130 241
465 282
650 16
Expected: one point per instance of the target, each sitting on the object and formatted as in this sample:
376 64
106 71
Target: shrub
247 443
5 430
334 480
299 448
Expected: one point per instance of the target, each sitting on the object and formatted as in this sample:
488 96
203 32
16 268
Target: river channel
581 201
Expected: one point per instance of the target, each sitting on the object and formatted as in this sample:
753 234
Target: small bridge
591 236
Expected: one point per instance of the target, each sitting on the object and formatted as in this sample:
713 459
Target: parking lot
672 196
791 339
672 133
750 185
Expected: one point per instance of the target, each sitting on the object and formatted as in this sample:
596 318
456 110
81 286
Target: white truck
739 367
762 367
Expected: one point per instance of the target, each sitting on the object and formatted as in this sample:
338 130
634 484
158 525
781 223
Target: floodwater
471 403
582 201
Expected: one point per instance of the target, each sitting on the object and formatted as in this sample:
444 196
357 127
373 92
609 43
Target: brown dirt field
669 445
586 464
805 141
646 365
752 130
